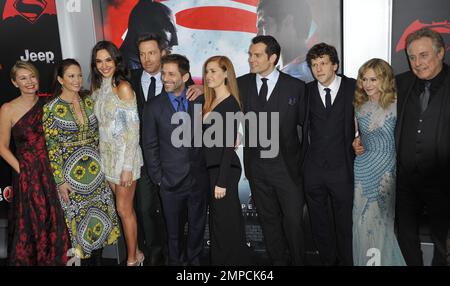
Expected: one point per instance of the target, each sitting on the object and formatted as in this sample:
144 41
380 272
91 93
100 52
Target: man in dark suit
328 169
423 146
275 182
147 84
179 171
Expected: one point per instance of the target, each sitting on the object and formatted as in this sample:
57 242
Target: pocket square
292 100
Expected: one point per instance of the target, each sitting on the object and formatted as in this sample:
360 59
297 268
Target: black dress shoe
158 260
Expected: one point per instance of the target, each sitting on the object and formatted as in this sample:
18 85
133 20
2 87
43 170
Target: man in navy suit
328 168
275 182
179 171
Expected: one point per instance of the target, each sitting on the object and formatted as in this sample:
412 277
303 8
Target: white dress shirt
334 87
146 80
272 79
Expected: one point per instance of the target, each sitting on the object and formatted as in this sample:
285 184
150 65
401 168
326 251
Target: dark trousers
94 260
333 238
226 223
186 204
151 226
279 204
415 193
448 248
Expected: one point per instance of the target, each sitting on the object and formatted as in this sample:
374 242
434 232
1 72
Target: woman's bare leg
125 209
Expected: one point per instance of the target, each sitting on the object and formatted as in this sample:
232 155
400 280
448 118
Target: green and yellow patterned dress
73 152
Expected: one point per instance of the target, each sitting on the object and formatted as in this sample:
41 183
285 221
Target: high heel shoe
139 259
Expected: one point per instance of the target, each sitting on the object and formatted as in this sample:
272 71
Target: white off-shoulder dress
118 123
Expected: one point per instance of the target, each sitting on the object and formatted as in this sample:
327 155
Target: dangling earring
226 81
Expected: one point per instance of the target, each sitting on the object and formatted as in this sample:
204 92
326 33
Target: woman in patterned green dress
71 133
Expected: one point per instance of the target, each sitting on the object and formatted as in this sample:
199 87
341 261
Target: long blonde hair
230 82
385 74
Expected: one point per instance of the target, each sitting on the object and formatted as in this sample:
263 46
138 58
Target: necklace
217 100
75 98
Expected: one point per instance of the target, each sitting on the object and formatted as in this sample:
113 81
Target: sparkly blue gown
374 241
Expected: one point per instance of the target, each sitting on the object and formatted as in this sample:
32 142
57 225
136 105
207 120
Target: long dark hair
121 72
60 69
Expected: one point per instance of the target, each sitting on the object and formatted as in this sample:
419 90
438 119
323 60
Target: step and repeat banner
200 29
29 32
411 15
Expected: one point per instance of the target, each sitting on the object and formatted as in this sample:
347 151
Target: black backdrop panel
28 31
411 15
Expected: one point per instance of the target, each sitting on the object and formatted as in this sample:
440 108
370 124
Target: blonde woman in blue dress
121 157
375 168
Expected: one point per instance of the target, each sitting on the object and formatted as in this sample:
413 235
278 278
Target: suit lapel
252 92
282 97
253 87
140 91
168 105
342 92
316 105
192 115
401 112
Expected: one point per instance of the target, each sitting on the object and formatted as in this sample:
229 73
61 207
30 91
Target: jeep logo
48 57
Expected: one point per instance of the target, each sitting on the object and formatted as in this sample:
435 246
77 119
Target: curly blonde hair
384 72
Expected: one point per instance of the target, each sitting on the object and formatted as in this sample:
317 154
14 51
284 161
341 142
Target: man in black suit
179 171
422 138
147 84
423 146
328 169
275 182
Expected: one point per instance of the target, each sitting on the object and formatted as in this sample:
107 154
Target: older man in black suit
423 146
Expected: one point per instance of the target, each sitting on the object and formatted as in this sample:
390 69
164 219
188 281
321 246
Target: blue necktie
180 106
